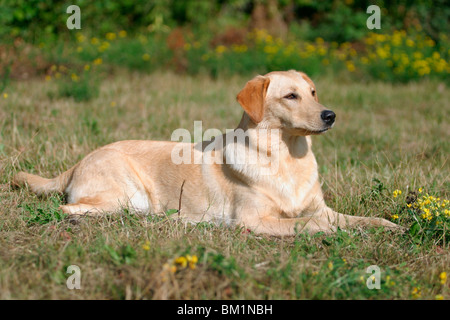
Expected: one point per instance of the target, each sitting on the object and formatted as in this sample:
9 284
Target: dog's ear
252 97
310 82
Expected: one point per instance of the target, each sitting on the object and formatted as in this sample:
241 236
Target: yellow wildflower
396 193
239 48
380 37
98 61
369 40
80 37
319 40
350 66
404 59
270 49
146 245
74 77
443 277
142 39
430 42
145 57
382 53
396 39
310 48
192 261
182 261
104 46
416 293
110 36
417 55
389 283
122 33
322 51
221 49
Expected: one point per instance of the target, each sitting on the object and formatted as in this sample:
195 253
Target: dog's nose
328 117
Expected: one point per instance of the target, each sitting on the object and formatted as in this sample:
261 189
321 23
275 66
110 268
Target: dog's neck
289 145
276 153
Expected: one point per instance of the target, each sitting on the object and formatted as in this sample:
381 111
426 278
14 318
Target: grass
387 137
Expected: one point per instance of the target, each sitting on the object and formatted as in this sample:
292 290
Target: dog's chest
294 185
294 194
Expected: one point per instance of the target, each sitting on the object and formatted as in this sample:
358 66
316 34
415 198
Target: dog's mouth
306 129
307 132
318 131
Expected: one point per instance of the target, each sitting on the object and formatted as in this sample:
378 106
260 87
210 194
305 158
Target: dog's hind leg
90 206
80 209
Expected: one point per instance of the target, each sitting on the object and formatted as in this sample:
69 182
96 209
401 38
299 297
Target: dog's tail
43 186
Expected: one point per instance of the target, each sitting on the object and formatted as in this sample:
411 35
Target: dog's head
285 100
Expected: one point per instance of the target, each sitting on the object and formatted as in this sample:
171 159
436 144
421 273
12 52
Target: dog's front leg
345 221
288 226
325 220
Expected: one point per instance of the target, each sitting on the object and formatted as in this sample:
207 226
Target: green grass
386 137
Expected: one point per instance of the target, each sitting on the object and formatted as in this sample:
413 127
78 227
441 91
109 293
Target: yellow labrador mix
278 193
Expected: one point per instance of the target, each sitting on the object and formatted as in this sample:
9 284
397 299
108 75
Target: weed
43 213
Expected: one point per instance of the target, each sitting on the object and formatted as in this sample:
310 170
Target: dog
281 200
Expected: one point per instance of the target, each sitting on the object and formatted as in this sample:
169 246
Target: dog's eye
313 92
291 96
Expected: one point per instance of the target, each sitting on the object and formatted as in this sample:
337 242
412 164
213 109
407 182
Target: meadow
387 156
